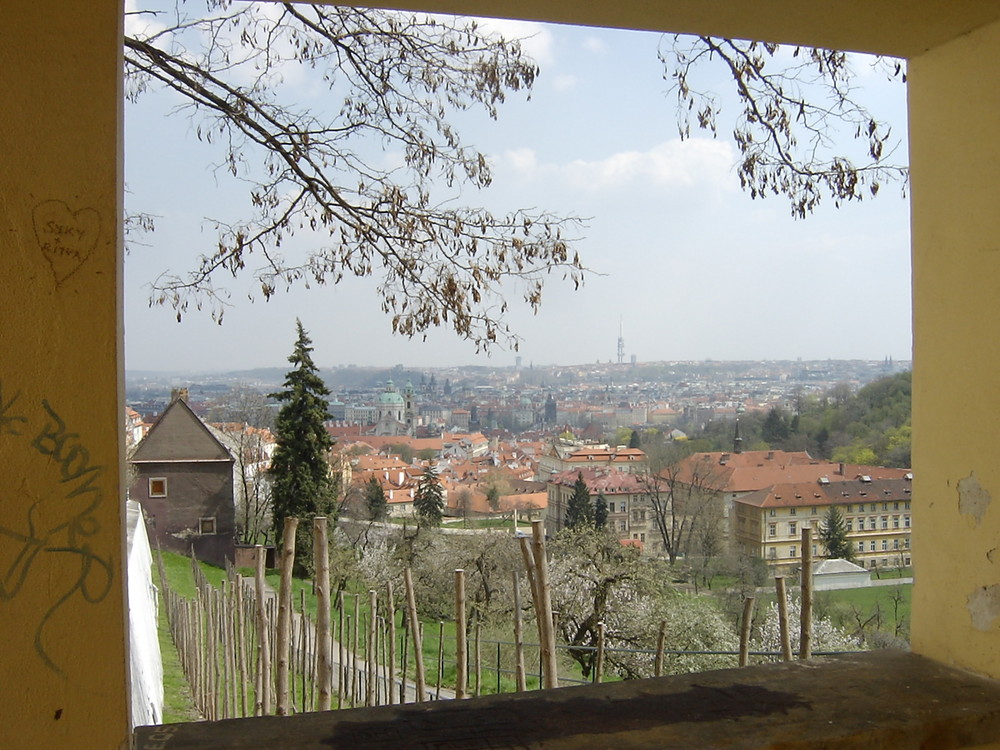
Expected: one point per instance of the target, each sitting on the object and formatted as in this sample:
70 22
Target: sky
686 266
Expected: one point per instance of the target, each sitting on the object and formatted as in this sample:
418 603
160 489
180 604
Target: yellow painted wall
955 121
62 637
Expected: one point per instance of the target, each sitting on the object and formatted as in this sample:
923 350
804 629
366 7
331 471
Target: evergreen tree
833 535
601 511
775 429
580 510
428 500
375 502
301 485
634 441
493 497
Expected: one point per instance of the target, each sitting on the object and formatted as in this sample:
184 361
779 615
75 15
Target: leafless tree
245 421
394 78
685 496
463 503
796 109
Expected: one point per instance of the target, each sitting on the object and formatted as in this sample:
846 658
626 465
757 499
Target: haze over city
685 265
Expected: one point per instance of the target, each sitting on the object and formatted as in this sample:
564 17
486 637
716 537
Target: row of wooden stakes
246 652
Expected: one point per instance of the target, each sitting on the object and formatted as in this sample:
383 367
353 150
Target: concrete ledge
881 699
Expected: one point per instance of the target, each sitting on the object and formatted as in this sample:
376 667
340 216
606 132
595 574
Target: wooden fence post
461 644
599 665
745 630
285 613
440 660
805 619
529 569
341 653
548 644
518 637
786 640
403 662
321 560
661 640
263 639
241 643
418 650
392 642
355 632
478 654
371 657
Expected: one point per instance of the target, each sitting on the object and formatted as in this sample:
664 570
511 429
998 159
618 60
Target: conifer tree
600 512
580 509
300 472
428 500
833 535
378 506
493 497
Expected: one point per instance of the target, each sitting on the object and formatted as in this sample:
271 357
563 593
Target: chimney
841 471
179 394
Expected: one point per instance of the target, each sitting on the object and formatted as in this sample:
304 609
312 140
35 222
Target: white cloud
141 25
697 161
536 39
595 44
524 161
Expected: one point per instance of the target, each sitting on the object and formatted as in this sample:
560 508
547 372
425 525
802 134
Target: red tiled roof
608 481
754 470
798 494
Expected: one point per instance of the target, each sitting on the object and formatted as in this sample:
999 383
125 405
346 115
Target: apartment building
877 517
630 512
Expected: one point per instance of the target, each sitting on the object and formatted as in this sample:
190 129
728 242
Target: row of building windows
872 507
873 524
793 550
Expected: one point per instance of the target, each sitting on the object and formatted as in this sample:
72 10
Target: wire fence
240 661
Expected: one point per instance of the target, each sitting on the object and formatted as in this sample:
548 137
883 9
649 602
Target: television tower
621 343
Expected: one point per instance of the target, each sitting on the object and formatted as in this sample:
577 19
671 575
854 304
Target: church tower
410 409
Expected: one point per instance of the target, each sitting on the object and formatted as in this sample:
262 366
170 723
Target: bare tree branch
792 111
396 77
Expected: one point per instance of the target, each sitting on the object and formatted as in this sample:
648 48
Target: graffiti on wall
48 523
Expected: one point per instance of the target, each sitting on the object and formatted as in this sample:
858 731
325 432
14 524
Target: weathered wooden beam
880 699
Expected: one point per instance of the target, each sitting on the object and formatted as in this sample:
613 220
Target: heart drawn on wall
66 237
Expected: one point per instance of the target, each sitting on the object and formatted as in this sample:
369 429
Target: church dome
390 397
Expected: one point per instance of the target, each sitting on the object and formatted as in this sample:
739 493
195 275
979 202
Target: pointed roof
179 435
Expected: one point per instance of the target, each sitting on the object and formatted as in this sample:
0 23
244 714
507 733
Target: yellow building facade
877 514
63 653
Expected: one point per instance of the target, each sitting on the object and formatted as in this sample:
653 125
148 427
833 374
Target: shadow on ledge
881 699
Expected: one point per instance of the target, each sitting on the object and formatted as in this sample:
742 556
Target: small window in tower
206 526
158 487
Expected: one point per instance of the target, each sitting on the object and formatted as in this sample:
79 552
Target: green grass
877 608
845 602
890 573
178 705
179 576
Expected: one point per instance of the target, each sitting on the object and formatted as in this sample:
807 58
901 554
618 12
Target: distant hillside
871 426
